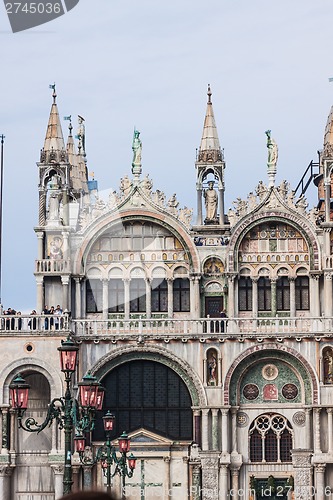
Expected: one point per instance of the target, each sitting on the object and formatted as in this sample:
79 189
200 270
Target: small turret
54 146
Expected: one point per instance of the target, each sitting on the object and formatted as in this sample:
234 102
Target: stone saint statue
210 196
272 150
81 133
137 148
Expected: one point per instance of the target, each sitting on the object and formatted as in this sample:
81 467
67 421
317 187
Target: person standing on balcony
223 315
57 320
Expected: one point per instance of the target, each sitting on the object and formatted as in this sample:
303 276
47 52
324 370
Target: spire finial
70 126
54 94
209 93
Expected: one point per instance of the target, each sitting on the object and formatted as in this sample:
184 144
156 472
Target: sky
121 64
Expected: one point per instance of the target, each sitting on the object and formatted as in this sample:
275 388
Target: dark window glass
137 295
94 296
181 295
271 453
245 294
116 295
150 395
159 297
302 293
286 444
283 294
256 446
264 294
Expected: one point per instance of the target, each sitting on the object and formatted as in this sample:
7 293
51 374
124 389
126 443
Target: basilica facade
211 331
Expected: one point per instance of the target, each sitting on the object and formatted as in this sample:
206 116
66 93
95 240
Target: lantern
88 391
79 443
124 443
100 397
131 461
108 421
19 391
68 353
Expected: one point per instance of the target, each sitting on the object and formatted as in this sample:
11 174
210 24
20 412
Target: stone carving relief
299 418
242 419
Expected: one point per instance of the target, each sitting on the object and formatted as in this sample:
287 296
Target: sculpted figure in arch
210 196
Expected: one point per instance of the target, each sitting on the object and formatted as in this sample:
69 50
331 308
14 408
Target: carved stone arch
294 220
23 365
107 221
94 272
153 353
275 351
51 171
204 172
116 271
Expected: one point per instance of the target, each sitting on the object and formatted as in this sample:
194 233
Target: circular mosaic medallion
251 391
299 418
289 391
242 419
270 372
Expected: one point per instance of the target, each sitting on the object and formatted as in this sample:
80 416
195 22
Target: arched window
116 296
302 293
271 439
150 395
181 295
94 296
245 294
264 294
137 295
159 297
283 294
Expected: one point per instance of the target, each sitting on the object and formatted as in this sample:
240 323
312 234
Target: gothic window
181 295
94 296
302 293
137 295
116 296
271 439
159 297
283 294
264 294
245 294
147 394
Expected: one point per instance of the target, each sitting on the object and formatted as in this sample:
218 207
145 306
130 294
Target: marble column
314 296
87 477
234 430
42 207
199 203
5 482
224 433
330 429
231 296
215 429
308 430
210 475
320 482
105 305
65 292
204 432
316 430
65 207
13 431
196 481
234 483
194 297
255 297
127 298
327 191
223 490
4 430
197 427
40 245
58 471
273 296
167 477
292 297
40 293
328 294
76 478
170 297
78 312
221 206
149 285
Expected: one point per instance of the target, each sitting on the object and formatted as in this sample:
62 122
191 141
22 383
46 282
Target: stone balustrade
50 266
34 324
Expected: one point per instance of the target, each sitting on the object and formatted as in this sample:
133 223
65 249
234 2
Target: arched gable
291 356
298 223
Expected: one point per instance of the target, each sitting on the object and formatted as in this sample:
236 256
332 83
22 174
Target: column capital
329 410
65 280
214 412
6 470
58 468
320 468
317 410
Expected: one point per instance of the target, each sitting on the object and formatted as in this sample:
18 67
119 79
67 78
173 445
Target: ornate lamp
68 354
79 443
124 443
131 461
100 397
108 421
88 391
19 392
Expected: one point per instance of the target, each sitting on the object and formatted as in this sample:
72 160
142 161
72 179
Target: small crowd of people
52 320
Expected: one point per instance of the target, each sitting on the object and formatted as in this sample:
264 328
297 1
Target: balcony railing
164 328
52 266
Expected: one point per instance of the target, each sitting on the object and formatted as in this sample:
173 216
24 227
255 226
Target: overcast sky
147 63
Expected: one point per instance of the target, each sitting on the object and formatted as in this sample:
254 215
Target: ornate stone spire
54 146
328 137
73 159
210 150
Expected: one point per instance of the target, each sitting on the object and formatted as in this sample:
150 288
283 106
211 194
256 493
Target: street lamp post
106 454
67 411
